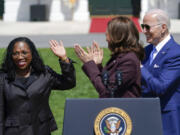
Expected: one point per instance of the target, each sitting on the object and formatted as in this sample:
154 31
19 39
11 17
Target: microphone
105 77
118 77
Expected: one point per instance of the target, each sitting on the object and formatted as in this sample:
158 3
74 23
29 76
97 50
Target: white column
11 10
55 11
172 8
82 13
144 9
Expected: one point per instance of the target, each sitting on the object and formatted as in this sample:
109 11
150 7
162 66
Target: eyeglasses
23 54
148 27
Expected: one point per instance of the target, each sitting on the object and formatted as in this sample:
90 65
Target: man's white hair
162 16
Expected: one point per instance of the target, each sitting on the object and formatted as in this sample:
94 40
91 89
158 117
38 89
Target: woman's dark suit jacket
26 109
128 64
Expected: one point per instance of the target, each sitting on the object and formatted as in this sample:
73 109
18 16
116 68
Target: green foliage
83 89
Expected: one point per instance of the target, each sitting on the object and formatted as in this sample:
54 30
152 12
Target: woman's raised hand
58 49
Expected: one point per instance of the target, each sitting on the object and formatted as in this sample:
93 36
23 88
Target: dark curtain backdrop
1 8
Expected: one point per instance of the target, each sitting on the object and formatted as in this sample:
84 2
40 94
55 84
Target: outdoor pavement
70 32
43 28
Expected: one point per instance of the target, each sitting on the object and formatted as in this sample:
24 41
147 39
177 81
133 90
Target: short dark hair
8 65
124 36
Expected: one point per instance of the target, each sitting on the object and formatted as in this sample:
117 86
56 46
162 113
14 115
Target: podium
138 116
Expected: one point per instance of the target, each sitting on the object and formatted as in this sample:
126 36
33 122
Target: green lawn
83 89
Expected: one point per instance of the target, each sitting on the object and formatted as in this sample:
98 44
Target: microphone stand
112 90
112 87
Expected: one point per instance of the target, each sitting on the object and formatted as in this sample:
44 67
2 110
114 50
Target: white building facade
56 10
75 10
172 7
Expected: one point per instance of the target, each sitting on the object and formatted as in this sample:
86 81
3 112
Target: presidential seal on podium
113 121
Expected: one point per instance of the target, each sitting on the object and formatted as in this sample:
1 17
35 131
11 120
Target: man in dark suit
161 69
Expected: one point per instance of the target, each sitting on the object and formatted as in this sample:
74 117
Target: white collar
162 43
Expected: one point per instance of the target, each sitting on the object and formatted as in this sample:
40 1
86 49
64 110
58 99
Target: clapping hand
97 53
93 53
82 54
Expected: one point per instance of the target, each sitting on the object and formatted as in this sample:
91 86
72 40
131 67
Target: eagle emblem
113 121
113 126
